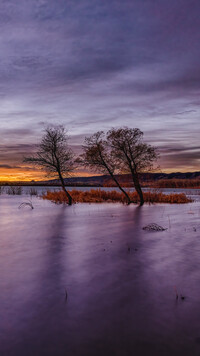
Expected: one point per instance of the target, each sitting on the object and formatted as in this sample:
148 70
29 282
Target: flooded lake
121 281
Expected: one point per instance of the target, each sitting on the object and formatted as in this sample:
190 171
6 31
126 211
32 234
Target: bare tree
131 154
98 157
54 155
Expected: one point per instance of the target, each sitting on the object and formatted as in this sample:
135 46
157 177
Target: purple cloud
94 65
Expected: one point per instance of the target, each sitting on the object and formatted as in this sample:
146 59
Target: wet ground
121 281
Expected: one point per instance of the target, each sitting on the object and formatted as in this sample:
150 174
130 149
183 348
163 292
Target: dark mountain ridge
145 177
105 180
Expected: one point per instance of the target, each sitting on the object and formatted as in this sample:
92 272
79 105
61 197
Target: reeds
14 190
110 183
100 196
32 191
178 183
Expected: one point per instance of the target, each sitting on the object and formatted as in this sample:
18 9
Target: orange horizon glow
14 175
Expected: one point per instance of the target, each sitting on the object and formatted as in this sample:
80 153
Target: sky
93 65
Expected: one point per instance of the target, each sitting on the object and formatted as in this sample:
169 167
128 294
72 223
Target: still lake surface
119 302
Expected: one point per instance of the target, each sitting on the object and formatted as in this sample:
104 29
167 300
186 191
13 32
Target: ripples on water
120 302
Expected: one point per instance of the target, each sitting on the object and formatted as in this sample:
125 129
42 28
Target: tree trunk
64 189
122 190
115 180
139 191
138 187
134 177
119 186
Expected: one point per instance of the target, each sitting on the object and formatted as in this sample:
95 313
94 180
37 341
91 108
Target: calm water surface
119 302
195 193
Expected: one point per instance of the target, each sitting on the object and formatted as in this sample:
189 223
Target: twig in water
22 205
176 292
169 222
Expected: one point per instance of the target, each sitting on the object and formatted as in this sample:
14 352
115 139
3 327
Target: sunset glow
99 177
96 65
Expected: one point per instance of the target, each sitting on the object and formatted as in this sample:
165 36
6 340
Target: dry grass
161 183
32 191
110 183
14 190
178 183
100 196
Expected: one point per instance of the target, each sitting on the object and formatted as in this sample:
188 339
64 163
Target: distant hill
89 181
124 179
100 181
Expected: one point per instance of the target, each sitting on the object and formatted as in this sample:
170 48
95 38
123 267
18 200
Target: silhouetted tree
131 154
98 157
54 155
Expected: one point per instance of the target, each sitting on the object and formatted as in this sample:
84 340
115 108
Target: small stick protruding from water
169 222
66 295
176 292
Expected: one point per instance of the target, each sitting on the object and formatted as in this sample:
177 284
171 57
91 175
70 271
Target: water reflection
48 319
120 280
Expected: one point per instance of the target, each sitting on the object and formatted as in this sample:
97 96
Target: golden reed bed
100 196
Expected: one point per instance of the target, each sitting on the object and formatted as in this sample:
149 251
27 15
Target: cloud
7 166
16 132
93 65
